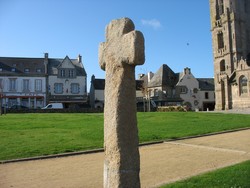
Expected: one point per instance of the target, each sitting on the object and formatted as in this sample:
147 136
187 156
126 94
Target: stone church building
230 27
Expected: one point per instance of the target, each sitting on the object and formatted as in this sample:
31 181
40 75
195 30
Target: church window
222 65
243 85
221 7
220 40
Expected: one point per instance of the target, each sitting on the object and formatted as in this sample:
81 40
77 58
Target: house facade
196 93
67 81
230 28
35 82
167 88
22 82
97 89
96 94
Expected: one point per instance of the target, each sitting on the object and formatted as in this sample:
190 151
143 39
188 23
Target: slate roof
164 77
99 84
55 62
20 64
206 84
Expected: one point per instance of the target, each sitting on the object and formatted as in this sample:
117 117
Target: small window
58 88
71 73
195 90
75 89
25 85
62 73
243 85
26 70
1 69
183 90
222 65
12 84
38 85
206 95
156 92
220 40
38 70
13 70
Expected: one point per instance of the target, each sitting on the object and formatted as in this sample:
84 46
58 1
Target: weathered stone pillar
118 56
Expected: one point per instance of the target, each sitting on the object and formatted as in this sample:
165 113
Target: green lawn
27 135
233 176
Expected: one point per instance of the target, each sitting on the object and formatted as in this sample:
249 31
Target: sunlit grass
27 135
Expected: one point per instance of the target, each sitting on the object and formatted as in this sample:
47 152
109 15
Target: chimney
46 61
150 75
187 70
79 58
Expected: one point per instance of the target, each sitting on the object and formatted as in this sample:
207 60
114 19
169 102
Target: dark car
18 107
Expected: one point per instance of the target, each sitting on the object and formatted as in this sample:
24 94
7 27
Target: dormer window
13 70
71 73
62 73
1 69
38 70
26 70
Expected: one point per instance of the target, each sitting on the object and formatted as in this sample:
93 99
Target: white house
67 81
22 82
197 93
35 82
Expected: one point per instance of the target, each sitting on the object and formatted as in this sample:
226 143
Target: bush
171 109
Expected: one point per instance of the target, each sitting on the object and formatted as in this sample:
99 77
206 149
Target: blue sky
176 32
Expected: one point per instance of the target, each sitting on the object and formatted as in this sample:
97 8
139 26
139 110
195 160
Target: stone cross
118 56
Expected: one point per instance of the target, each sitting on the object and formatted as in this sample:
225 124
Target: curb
102 150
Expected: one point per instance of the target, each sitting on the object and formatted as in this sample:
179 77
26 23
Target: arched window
222 65
243 85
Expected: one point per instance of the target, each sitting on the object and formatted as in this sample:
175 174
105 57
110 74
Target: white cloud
152 23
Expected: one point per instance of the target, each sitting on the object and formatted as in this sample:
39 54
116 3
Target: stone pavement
160 163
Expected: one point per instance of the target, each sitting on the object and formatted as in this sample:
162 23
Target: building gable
66 64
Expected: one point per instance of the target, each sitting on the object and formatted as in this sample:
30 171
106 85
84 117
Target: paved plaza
160 163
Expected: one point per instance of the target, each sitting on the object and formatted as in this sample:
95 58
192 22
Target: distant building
230 27
67 81
97 88
96 94
35 82
196 93
22 82
167 88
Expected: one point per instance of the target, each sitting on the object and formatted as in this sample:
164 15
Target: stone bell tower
230 27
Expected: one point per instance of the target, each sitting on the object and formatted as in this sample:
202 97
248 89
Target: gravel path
160 163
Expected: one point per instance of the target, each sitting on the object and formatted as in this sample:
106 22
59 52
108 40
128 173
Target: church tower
230 28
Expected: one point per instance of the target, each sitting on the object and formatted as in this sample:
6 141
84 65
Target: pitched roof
99 84
21 65
55 62
164 77
206 84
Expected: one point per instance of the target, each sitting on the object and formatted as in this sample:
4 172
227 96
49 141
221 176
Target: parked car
18 107
54 106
